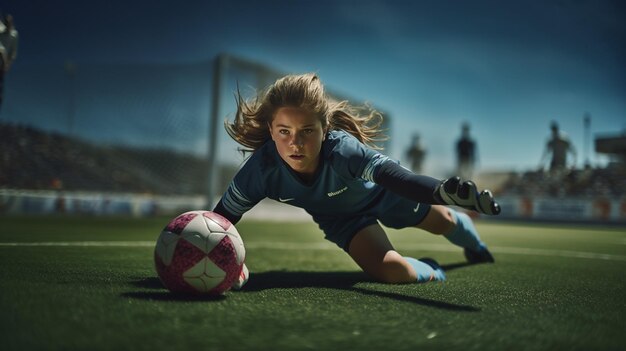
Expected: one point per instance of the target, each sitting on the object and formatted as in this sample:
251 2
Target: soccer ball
199 252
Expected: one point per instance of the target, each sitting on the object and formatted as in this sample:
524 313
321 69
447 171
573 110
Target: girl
317 154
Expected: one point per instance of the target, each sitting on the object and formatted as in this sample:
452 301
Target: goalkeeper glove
452 192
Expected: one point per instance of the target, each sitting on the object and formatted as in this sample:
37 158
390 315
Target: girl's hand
452 192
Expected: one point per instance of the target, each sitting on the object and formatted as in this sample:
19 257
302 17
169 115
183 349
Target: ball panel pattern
186 256
196 239
178 224
204 276
166 245
222 255
238 244
217 219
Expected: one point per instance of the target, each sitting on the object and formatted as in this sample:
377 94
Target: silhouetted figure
8 48
466 153
415 154
558 145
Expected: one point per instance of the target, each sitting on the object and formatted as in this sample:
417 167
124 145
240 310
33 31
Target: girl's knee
448 222
439 220
393 270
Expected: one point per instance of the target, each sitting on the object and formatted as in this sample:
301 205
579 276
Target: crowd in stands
588 182
34 159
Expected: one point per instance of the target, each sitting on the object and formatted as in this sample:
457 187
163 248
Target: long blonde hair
251 125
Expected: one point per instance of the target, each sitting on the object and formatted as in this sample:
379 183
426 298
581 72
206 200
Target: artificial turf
552 287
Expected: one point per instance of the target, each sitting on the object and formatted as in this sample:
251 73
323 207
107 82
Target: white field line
86 243
329 246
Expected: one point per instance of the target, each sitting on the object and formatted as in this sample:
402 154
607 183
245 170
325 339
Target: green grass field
89 284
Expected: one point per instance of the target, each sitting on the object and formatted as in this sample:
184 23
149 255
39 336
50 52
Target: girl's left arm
403 182
425 189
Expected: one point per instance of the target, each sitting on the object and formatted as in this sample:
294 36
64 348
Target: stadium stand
33 159
610 181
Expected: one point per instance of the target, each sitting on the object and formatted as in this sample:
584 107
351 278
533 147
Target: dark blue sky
508 68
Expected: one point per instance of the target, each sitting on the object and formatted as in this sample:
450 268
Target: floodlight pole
221 62
587 137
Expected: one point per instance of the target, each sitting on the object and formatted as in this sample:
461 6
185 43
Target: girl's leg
371 250
459 229
439 220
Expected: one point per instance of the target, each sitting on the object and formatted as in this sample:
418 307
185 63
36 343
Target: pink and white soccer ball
199 252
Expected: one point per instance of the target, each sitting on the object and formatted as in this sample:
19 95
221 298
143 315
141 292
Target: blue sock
426 271
465 234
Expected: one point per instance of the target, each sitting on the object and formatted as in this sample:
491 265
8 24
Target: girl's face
298 136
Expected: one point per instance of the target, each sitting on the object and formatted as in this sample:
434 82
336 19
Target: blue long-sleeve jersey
344 184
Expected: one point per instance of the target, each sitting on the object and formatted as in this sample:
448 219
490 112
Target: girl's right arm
244 191
238 200
220 209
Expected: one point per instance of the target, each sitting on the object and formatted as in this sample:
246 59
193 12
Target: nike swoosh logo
285 200
416 208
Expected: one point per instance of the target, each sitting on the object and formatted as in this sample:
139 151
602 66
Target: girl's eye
307 131
283 131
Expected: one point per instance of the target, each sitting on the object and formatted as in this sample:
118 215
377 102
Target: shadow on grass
304 279
341 281
162 294
296 280
147 283
168 296
452 266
